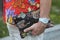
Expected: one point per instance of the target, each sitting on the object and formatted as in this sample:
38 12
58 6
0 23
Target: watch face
44 20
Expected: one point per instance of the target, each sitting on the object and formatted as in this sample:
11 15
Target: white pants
15 34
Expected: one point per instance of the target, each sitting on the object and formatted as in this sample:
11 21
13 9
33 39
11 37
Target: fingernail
25 30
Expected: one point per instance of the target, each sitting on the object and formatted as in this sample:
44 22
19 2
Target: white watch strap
44 20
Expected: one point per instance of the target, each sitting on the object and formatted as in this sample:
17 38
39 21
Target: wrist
43 25
44 16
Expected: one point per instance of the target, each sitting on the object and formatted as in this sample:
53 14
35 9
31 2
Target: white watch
44 20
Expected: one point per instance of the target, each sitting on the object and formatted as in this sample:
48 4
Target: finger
28 29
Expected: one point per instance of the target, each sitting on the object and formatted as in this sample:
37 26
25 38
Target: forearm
45 6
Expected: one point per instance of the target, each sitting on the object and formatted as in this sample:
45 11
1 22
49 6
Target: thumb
28 29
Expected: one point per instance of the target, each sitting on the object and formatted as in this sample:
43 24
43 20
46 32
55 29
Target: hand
36 28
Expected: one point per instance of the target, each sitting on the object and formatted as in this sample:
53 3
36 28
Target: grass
56 3
55 17
55 14
3 29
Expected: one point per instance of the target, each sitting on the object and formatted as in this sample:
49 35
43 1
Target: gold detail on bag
10 19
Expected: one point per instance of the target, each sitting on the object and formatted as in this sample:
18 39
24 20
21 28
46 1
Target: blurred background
54 15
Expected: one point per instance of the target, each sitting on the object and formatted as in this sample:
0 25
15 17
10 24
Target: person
39 27
35 9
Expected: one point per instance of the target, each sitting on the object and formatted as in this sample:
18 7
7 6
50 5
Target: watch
44 20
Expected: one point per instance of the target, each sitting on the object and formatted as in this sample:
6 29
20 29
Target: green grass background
54 14
3 29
